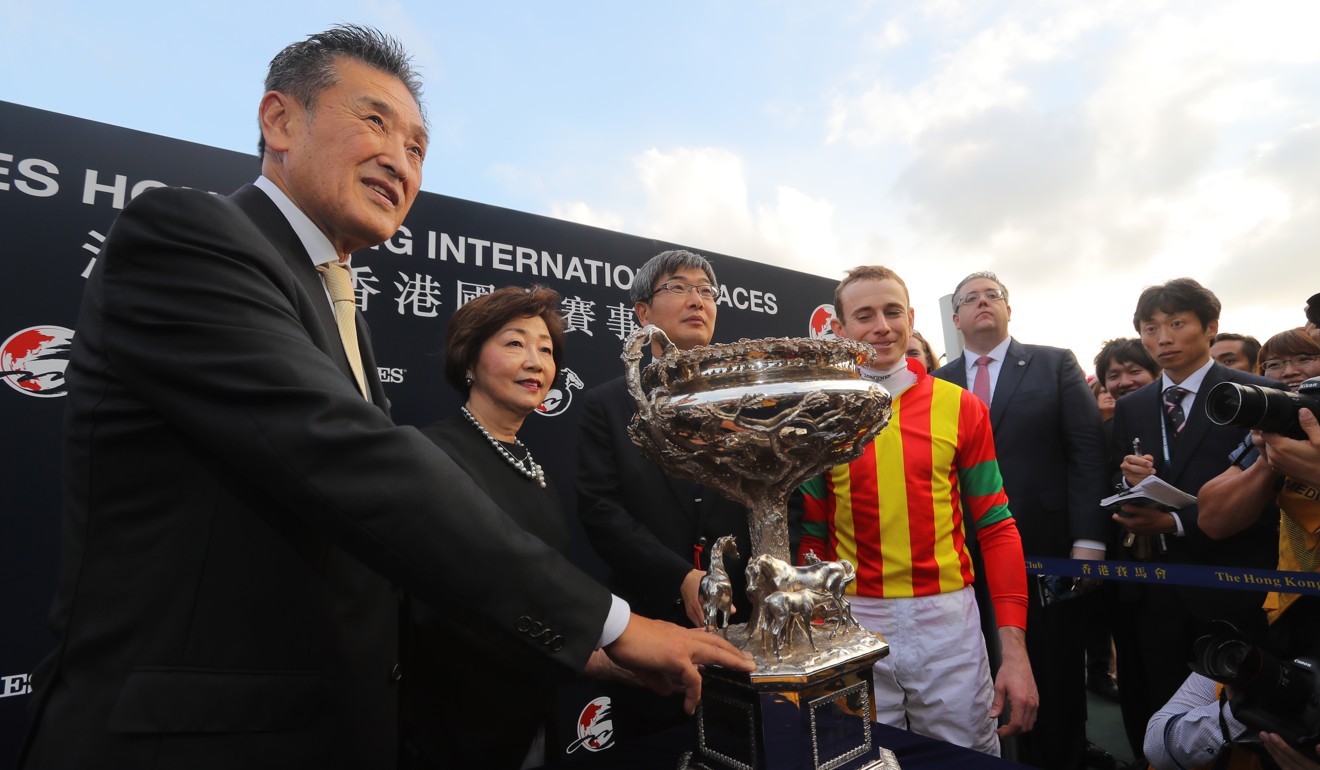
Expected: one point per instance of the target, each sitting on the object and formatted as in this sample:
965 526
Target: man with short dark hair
1236 351
238 506
655 531
1124 365
1154 625
1051 452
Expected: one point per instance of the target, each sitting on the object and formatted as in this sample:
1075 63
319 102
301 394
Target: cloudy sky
1082 150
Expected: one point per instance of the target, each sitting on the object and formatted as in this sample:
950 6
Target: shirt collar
318 246
997 354
1193 381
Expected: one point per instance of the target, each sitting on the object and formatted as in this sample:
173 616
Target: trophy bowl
754 418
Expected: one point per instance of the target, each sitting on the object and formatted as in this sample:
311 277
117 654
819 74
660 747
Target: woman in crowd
502 352
1103 399
921 350
1291 357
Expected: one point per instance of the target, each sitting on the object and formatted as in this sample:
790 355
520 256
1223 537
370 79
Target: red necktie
981 386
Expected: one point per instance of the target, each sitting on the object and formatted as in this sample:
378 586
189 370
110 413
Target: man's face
1229 353
983 318
1178 341
1121 378
687 319
353 163
877 313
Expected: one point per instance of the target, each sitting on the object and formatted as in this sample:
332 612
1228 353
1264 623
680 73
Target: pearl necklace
526 466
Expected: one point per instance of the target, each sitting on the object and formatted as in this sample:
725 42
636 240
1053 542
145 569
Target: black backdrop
63 180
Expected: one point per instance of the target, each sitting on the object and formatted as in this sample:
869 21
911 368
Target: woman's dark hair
480 318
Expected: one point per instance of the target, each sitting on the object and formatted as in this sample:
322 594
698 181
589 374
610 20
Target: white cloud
583 214
892 35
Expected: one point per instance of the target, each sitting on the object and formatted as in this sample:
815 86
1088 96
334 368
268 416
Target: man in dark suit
1166 424
1051 453
238 505
653 530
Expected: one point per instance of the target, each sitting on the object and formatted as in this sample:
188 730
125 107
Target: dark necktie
1173 397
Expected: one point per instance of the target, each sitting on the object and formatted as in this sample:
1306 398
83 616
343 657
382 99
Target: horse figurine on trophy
715 589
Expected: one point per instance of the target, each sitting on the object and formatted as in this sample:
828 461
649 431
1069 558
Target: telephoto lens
1261 408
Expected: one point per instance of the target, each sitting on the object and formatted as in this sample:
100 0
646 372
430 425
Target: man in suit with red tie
1051 453
1154 625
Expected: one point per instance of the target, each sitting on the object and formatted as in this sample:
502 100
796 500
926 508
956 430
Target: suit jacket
643 522
236 516
1199 452
1050 446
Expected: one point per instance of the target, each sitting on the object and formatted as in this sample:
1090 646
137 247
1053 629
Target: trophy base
819 720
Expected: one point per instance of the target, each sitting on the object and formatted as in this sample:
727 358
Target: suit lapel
957 370
681 488
1197 425
271 222
369 369
1016 360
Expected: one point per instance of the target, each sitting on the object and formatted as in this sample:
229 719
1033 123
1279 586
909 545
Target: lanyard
1164 434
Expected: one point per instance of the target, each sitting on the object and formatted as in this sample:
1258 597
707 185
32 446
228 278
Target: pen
1136 447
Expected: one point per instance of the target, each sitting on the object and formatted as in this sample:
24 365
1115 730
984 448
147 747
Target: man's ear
277 114
643 311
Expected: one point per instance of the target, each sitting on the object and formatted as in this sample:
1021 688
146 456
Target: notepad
1152 492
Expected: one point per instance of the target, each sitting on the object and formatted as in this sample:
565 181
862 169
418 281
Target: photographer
1197 726
1198 723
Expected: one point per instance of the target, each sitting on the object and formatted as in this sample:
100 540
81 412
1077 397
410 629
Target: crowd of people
253 555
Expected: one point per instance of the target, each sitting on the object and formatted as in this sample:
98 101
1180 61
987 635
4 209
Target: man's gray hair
665 264
303 70
986 274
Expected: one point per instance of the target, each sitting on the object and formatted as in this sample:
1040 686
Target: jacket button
535 629
397 672
556 644
524 623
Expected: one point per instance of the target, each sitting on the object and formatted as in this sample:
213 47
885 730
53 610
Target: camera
1268 693
1267 409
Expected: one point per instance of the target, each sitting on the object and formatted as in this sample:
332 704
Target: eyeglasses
706 291
1277 365
973 297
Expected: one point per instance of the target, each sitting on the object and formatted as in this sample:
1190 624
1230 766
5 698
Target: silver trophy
755 419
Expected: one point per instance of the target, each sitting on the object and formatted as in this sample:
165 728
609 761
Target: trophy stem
769 528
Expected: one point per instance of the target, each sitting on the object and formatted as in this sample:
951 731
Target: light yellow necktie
340 285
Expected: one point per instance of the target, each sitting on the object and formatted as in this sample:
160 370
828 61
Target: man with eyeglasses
1051 452
652 530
